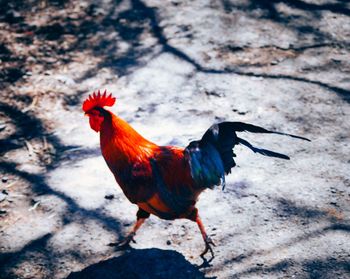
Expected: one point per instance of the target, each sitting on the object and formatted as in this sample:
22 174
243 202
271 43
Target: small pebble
2 197
168 242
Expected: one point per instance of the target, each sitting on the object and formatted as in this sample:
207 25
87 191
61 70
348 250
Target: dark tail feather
262 151
241 127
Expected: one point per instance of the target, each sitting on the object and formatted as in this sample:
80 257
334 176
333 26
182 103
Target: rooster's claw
208 242
125 243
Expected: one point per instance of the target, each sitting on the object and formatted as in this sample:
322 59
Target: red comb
98 100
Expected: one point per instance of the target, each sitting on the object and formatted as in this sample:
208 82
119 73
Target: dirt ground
175 67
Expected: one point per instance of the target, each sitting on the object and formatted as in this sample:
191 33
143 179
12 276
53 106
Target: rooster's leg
206 238
141 217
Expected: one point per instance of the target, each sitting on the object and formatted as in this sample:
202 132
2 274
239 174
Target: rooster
166 181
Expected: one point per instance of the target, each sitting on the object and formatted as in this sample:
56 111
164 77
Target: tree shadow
314 266
10 70
313 269
11 258
303 23
29 126
139 19
290 210
141 263
327 268
158 33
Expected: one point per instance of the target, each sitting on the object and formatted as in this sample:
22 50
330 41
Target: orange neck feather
121 144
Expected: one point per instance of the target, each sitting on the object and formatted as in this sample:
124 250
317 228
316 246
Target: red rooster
166 180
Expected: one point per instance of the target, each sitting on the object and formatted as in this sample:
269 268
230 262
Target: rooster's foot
125 243
208 243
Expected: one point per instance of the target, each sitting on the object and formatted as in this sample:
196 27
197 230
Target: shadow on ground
143 263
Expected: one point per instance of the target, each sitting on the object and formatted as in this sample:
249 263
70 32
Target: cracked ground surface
175 67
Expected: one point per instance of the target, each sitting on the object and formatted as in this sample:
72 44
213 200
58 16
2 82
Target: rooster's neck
120 143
